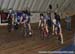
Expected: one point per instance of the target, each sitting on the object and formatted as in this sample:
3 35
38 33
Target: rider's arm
60 28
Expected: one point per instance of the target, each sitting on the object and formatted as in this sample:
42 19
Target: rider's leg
56 30
61 35
46 28
30 30
53 28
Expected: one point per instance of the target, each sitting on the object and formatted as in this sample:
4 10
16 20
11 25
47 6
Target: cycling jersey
48 20
57 25
47 17
26 17
42 18
19 14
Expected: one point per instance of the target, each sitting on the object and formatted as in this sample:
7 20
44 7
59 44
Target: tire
44 33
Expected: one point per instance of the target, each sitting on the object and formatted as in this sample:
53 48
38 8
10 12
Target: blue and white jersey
58 24
43 19
24 16
27 18
47 17
19 14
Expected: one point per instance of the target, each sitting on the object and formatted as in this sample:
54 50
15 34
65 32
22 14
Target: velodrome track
14 43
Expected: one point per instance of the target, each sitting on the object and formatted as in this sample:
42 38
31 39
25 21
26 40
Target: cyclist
15 20
10 20
57 30
43 22
26 20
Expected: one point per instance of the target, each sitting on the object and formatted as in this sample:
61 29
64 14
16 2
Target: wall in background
34 18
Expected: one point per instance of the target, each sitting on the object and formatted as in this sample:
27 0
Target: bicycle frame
44 32
26 30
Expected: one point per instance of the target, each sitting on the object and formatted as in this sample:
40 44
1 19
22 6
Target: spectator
68 22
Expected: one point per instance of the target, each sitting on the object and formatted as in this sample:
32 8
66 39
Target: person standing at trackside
48 21
50 14
68 22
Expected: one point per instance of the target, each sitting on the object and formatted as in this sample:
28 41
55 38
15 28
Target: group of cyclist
47 22
49 19
52 20
18 17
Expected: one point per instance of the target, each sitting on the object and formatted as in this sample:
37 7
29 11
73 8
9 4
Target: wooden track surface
14 43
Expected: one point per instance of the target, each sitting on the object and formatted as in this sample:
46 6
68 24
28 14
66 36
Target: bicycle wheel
45 33
26 31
